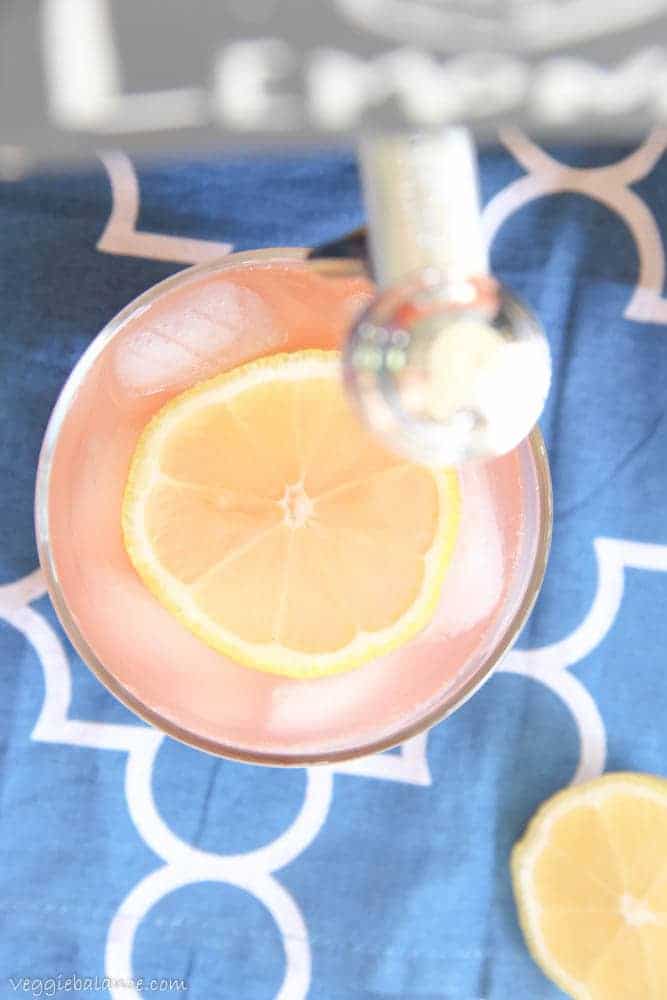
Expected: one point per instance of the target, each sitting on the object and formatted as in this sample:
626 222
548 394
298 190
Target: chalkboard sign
79 74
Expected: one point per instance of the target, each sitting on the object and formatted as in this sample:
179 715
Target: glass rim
449 703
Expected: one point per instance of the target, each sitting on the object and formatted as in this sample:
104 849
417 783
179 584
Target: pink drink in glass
193 326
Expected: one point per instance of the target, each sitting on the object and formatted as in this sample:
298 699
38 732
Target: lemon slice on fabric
590 881
273 526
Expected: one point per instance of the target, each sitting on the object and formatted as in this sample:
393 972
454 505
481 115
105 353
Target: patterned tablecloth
123 853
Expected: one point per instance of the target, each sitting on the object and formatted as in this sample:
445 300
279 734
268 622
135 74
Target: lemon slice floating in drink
590 879
262 515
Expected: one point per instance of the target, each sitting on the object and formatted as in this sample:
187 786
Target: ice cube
225 319
325 707
474 582
146 362
193 335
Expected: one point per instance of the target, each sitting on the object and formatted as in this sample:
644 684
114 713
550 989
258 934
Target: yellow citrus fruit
590 880
278 530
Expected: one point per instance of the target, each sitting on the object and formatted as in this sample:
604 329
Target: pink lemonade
202 322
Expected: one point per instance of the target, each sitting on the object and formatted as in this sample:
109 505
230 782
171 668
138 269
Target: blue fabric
404 892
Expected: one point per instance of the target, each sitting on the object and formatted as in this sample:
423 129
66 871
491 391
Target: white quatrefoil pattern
554 696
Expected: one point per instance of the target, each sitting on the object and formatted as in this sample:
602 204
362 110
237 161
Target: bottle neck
422 199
